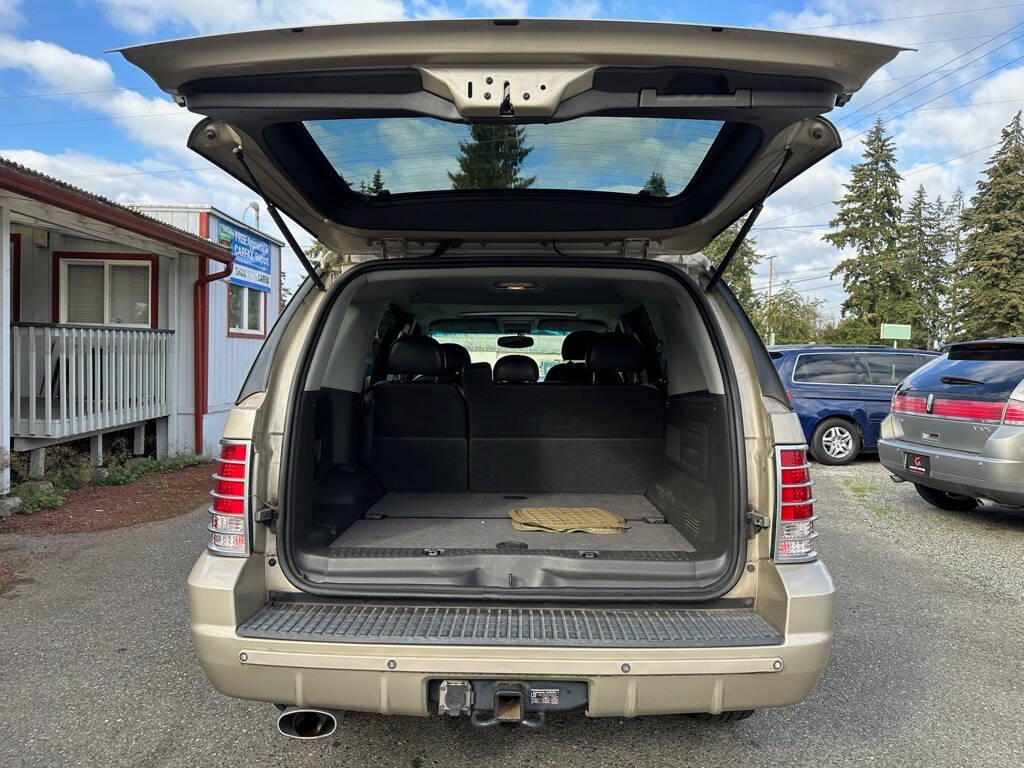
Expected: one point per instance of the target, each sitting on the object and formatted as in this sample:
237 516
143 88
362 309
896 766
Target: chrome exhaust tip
304 723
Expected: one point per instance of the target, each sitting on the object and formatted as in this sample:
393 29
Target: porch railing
68 380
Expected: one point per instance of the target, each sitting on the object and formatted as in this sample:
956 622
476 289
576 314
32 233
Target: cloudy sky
71 110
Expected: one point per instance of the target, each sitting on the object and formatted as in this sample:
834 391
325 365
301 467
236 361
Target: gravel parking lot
926 669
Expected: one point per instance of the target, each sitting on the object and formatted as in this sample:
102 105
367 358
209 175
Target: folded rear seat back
419 428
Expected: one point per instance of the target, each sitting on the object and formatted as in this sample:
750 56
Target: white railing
70 380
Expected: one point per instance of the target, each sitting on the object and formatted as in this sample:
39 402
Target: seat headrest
516 369
576 345
412 355
456 357
616 352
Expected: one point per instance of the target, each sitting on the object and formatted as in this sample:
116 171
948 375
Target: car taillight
794 508
968 410
1014 413
909 404
229 513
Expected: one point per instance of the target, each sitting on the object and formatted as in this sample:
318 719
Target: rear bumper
393 678
998 479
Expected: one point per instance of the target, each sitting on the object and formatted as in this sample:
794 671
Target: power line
910 18
934 70
88 119
77 93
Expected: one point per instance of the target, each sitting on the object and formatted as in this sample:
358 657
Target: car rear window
606 154
890 369
827 368
996 378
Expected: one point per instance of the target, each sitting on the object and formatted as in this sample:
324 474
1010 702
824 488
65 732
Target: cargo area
409 483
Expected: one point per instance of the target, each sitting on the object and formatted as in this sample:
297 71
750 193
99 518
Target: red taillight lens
971 410
909 404
1014 413
228 514
794 523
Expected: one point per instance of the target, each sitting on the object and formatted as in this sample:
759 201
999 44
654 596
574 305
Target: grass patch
883 512
859 487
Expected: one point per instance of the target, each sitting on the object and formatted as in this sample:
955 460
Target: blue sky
69 109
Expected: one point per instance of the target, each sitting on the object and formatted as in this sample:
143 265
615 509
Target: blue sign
251 255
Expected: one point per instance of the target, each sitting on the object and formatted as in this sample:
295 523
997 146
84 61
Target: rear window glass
826 368
483 347
984 378
890 370
606 154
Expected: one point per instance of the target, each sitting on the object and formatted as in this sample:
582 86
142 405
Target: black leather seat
456 358
575 347
516 369
615 358
419 431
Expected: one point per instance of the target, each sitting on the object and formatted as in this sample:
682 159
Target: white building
108 312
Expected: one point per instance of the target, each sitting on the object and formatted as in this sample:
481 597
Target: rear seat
571 437
418 437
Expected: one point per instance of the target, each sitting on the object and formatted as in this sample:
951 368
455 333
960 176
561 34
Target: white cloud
576 9
53 68
205 17
10 16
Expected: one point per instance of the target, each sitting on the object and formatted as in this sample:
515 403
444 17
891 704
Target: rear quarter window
890 369
827 368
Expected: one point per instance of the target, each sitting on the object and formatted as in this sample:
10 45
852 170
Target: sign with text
251 255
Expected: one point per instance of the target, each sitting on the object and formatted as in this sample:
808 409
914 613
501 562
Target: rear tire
835 442
951 502
722 717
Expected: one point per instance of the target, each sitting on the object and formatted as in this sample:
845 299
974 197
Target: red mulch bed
154 496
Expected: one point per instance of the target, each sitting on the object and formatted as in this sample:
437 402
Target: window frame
245 333
61 260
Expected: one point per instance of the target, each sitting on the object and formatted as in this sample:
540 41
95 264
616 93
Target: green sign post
896 332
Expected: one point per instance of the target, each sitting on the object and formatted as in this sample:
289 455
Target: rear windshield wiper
958 380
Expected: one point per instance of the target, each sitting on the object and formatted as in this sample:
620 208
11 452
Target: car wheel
723 717
835 442
953 502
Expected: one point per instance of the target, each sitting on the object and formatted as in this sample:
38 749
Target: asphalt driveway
927 668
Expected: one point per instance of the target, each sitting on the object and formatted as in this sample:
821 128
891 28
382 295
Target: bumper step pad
476 625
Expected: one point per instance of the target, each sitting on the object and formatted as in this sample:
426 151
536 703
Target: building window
246 310
100 292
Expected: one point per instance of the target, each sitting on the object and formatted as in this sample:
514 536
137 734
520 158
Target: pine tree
655 185
376 185
954 229
737 275
868 221
992 262
922 259
492 159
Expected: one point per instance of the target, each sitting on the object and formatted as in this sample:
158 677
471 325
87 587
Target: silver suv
956 427
406 518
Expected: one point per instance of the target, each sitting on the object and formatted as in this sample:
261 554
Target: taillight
229 513
909 404
794 508
968 410
1014 413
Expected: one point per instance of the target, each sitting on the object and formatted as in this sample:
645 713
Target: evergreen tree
992 260
655 185
922 259
376 185
868 221
737 275
954 226
492 159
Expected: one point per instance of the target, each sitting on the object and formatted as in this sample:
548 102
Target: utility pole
768 304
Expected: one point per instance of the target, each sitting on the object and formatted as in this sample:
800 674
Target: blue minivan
842 394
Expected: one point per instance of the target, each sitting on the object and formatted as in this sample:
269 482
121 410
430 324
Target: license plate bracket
918 464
